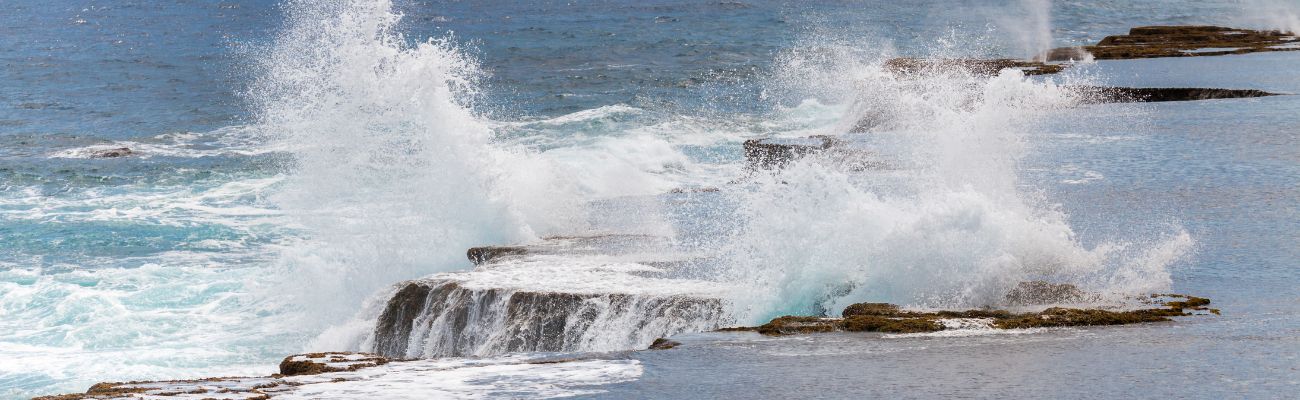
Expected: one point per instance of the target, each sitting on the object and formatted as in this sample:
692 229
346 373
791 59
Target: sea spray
392 175
1282 15
395 176
1026 26
951 226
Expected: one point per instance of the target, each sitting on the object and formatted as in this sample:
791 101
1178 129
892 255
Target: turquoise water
256 217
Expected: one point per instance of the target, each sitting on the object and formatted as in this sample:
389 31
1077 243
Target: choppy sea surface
293 159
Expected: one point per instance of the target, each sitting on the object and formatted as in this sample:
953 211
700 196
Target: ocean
291 161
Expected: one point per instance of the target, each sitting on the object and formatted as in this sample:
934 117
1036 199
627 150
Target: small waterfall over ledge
530 299
441 318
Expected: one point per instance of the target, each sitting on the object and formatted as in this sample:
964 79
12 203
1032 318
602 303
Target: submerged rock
889 318
112 153
664 344
1180 41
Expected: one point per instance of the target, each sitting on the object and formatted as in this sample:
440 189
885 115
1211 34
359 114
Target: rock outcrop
596 293
889 318
295 371
1180 41
359 375
319 363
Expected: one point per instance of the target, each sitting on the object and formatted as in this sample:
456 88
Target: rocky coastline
446 315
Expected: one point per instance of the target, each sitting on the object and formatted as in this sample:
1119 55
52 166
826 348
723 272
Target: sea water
294 159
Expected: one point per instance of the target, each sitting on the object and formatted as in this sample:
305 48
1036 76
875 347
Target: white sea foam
237 140
957 229
393 177
170 318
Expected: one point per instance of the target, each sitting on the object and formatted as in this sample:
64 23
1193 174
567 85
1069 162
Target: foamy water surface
293 161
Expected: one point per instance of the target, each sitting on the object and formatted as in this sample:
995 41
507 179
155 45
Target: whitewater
371 151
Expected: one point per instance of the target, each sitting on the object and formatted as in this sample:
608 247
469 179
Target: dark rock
913 66
1180 41
480 255
775 153
1097 94
112 153
664 344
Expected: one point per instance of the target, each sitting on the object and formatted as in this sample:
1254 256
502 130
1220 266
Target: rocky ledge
593 293
1180 41
295 371
890 318
361 375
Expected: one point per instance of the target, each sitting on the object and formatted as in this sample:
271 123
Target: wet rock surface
1099 94
443 318
295 371
577 293
360 375
889 318
664 344
318 363
1180 41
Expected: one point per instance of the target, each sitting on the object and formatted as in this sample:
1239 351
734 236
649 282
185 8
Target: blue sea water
198 255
